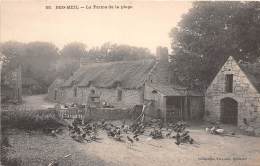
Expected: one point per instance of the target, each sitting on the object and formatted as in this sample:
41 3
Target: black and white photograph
129 83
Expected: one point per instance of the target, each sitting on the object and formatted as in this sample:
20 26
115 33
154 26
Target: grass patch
32 119
38 149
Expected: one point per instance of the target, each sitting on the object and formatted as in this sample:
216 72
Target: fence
72 113
96 113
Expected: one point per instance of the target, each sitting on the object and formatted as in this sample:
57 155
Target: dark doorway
55 94
175 108
229 111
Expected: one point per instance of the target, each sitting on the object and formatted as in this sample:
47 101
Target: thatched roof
253 73
129 74
56 83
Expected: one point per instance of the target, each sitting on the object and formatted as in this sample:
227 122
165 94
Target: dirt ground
37 102
208 150
37 149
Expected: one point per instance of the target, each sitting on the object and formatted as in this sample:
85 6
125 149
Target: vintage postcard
129 83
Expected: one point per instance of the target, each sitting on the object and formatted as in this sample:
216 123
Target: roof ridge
104 74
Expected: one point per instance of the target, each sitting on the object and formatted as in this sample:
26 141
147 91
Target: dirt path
37 102
211 150
37 150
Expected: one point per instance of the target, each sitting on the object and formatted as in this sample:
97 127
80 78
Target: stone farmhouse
128 84
117 83
233 97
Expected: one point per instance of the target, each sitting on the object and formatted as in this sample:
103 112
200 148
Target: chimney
162 54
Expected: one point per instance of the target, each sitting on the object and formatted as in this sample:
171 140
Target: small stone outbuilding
233 96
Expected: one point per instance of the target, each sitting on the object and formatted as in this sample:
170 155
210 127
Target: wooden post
1 62
186 108
18 87
164 109
181 113
187 105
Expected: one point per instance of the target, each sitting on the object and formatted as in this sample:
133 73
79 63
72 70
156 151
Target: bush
31 120
5 160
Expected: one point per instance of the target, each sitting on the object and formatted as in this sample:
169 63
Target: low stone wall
103 113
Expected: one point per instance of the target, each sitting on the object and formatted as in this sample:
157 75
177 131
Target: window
92 99
229 83
93 91
75 91
154 91
119 94
55 94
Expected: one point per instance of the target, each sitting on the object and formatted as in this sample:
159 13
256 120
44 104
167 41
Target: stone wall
246 95
51 94
130 97
68 96
156 108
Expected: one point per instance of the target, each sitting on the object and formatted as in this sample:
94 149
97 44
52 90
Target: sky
146 24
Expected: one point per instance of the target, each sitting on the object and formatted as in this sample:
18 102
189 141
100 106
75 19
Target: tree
37 59
114 52
73 51
211 32
43 62
13 51
69 59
